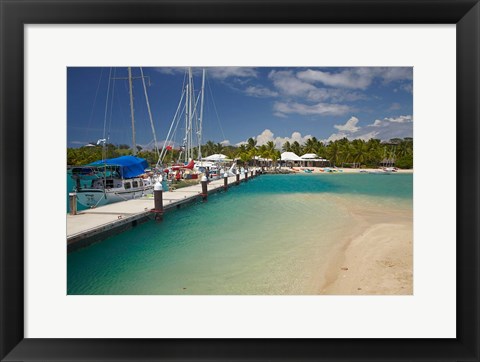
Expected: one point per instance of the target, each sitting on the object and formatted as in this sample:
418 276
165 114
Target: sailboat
112 180
188 105
116 179
191 107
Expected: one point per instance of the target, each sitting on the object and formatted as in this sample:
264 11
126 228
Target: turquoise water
271 235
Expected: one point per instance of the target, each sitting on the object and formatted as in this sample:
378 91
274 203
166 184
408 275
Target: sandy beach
376 259
344 170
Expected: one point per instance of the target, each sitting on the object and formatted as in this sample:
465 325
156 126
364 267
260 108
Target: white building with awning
311 159
306 160
290 156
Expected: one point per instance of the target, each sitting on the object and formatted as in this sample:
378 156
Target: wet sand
377 258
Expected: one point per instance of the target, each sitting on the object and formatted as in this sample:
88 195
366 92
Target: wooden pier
96 224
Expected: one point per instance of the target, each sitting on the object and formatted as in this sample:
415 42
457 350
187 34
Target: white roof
290 156
313 157
215 157
309 156
258 158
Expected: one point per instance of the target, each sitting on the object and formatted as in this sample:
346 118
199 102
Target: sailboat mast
190 115
134 144
185 141
201 117
149 113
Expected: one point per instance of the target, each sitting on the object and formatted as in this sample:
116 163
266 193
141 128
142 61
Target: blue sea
272 235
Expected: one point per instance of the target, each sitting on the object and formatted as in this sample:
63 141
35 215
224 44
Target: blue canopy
130 166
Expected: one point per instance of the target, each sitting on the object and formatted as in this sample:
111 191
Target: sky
269 104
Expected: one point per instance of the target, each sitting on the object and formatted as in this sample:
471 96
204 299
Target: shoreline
344 170
376 259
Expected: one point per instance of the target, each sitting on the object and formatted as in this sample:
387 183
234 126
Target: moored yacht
112 180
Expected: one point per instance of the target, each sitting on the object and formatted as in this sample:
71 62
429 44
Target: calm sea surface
267 236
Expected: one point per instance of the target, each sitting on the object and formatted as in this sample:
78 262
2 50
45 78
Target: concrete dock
96 224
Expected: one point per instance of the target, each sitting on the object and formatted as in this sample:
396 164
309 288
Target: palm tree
287 147
310 145
358 151
218 148
271 152
333 152
321 149
243 154
209 148
296 148
252 149
251 143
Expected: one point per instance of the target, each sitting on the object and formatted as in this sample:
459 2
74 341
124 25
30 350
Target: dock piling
73 203
246 175
204 188
225 181
158 201
238 177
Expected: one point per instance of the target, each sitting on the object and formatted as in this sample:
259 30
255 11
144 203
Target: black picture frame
16 13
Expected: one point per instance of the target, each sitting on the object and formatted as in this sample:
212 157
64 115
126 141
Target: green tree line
341 153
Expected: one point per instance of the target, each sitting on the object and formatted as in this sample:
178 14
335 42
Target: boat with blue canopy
112 180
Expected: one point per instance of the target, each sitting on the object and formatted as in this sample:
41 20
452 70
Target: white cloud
390 74
260 92
267 136
368 135
350 126
400 119
220 73
279 114
388 128
323 109
387 131
357 78
226 72
361 136
351 78
289 84
335 137
225 142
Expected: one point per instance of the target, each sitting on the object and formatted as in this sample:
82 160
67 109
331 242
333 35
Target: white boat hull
95 197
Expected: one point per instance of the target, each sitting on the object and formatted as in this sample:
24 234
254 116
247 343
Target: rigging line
216 112
105 118
196 125
160 158
176 126
149 112
94 102
111 104
163 153
106 102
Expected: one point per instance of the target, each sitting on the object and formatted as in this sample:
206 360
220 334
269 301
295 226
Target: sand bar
377 260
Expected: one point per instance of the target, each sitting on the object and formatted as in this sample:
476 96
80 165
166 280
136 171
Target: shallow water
271 235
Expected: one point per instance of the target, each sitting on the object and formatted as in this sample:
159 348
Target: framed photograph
229 180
